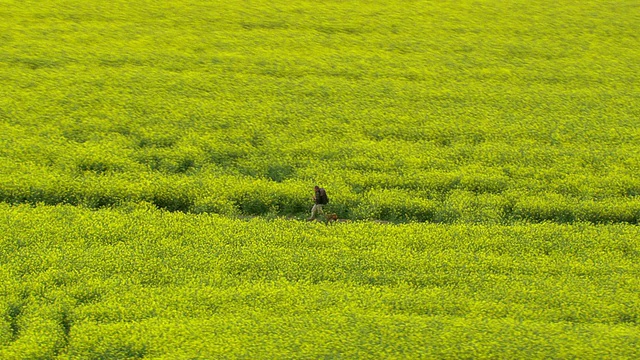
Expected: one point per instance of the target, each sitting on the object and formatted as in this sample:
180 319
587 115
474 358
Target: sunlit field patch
146 283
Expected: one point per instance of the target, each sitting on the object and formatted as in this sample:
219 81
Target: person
320 198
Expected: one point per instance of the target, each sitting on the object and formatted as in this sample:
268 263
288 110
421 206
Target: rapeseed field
157 162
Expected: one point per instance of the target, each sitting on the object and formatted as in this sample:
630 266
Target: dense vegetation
140 282
424 110
155 155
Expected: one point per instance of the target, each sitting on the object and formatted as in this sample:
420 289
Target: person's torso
320 195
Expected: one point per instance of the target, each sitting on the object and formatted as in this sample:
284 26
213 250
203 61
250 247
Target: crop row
446 197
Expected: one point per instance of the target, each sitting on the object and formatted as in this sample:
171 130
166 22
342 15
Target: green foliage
137 282
460 111
501 139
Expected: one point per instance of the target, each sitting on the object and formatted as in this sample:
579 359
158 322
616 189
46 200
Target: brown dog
331 218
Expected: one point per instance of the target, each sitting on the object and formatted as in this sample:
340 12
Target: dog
331 218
